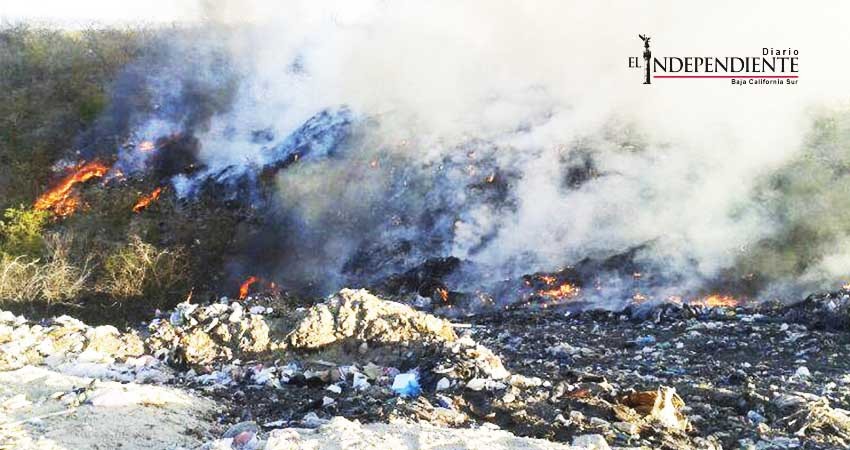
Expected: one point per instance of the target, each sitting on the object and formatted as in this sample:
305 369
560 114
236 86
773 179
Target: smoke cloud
512 136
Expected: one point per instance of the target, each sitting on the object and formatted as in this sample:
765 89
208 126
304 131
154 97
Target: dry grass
140 269
53 279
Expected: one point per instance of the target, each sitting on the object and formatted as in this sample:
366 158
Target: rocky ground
357 371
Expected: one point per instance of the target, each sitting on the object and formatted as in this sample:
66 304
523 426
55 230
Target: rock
476 384
286 439
626 427
104 339
243 435
523 382
443 384
591 442
599 423
241 427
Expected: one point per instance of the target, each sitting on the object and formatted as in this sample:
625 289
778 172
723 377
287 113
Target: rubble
669 376
197 336
73 347
812 415
828 310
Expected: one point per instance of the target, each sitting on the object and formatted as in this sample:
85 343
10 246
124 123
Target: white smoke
526 84
438 74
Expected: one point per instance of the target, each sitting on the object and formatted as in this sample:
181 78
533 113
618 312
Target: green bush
21 232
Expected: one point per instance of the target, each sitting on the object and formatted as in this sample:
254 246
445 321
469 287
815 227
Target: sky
85 12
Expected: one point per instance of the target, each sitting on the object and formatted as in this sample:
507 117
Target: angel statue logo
647 57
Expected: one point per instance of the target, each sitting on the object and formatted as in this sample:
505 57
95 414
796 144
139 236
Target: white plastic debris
443 384
360 381
264 375
334 388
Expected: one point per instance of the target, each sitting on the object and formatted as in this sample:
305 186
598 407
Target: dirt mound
360 316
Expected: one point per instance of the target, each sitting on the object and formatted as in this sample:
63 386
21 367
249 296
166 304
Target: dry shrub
52 279
140 269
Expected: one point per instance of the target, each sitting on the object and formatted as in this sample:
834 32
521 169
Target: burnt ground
772 377
724 368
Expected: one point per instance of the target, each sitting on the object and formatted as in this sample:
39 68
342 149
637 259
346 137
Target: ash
356 367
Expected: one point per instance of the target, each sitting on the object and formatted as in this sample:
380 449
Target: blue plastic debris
407 384
645 340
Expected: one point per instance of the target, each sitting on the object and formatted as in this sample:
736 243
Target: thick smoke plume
512 136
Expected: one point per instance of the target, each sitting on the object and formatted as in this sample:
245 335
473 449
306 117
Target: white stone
591 442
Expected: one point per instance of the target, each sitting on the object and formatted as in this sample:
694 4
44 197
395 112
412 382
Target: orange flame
146 200
444 294
715 300
60 198
563 291
548 279
245 286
